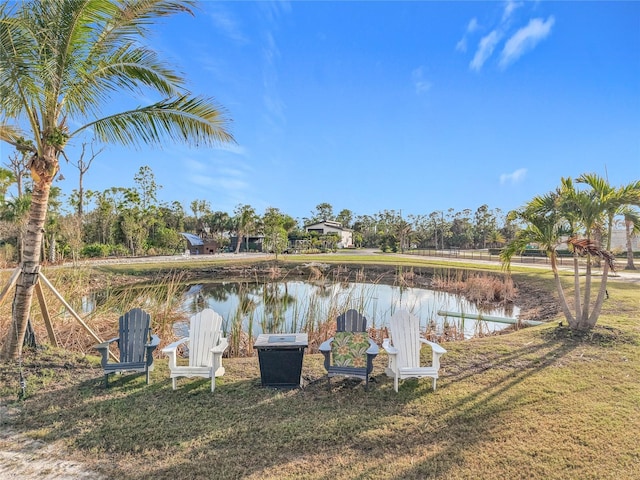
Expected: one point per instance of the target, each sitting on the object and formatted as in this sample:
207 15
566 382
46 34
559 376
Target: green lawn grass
538 403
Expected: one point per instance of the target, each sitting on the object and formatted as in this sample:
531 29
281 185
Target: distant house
249 244
198 246
325 227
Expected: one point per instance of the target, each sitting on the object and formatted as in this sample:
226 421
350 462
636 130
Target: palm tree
632 229
61 62
552 218
611 199
245 220
544 227
16 212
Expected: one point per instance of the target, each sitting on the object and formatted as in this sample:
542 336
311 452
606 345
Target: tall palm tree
588 208
61 62
632 229
611 199
544 227
558 216
246 220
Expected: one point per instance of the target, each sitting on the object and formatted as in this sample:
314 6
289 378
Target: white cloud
510 7
485 49
419 82
525 39
224 22
472 26
232 148
513 178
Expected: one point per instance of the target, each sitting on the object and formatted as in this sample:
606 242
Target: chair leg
434 384
106 380
395 383
174 382
147 371
328 382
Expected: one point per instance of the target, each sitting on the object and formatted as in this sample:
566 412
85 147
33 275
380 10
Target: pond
303 306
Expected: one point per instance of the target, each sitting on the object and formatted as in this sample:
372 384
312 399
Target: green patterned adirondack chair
350 352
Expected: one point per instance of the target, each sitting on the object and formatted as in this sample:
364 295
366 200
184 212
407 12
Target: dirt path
24 458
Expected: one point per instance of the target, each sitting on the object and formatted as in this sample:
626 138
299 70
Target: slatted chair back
351 321
134 335
204 334
405 335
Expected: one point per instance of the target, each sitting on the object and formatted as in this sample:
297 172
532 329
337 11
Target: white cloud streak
513 178
525 39
472 26
225 23
485 49
419 82
510 7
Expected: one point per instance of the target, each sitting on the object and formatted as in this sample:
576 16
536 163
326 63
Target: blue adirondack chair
136 345
350 352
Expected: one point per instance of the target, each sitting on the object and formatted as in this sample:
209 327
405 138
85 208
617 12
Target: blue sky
411 106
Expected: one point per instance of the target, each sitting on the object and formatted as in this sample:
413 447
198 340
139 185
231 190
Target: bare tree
83 166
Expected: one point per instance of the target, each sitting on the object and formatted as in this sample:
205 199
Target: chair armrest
391 350
325 349
172 347
151 346
155 341
326 346
106 343
434 346
103 348
373 348
222 346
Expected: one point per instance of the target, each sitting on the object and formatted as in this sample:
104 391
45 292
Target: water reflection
297 306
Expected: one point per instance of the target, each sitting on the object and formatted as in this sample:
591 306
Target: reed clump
480 288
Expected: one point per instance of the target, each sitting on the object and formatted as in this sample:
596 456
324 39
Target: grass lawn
538 403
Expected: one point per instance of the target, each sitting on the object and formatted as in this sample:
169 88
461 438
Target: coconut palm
61 63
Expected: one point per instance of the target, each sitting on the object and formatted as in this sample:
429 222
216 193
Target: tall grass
480 288
100 303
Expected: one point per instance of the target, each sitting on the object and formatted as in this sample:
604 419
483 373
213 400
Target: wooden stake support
45 311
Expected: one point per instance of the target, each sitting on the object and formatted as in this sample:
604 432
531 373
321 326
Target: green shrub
95 250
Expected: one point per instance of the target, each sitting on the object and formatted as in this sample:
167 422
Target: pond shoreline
535 301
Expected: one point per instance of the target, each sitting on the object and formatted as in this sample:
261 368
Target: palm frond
191 120
10 134
584 246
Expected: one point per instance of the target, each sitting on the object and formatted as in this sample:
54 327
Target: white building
345 234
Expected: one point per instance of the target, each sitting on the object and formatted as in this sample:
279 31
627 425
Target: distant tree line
131 221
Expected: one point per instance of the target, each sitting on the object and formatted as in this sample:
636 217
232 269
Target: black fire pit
280 357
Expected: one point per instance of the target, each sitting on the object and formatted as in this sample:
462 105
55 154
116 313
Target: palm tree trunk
628 230
576 285
563 299
600 299
12 347
239 242
583 322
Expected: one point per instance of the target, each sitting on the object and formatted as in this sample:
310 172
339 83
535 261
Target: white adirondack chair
206 346
404 350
